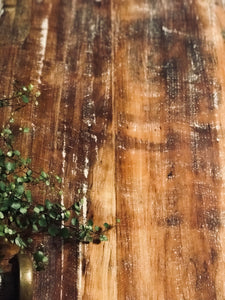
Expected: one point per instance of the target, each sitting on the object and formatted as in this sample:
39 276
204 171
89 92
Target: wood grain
169 182
132 115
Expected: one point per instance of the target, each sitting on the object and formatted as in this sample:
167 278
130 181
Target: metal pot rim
25 276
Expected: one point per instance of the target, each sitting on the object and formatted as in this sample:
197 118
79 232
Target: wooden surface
132 113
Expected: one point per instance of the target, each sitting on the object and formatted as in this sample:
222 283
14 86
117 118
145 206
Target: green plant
21 215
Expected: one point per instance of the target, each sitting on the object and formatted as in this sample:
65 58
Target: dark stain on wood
173 220
170 175
173 140
170 75
203 136
209 219
214 255
15 22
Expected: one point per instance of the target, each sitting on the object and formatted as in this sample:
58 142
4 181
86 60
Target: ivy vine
21 216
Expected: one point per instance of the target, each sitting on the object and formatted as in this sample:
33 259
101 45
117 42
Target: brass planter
25 276
17 284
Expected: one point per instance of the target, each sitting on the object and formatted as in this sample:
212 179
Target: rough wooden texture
132 114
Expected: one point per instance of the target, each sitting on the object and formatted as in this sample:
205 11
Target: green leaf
45 259
53 230
35 228
30 87
106 225
2 186
1 215
8 230
26 130
10 166
39 256
53 215
16 205
28 161
20 180
29 172
17 153
36 210
74 221
28 195
59 179
47 182
20 189
64 233
7 131
25 99
40 260
29 240
118 220
77 208
5 195
2 233
20 242
42 221
18 221
4 204
82 234
90 223
12 186
44 175
97 228
67 214
88 239
48 204
41 207
103 238
23 210
37 94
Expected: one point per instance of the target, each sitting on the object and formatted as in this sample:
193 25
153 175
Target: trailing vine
21 215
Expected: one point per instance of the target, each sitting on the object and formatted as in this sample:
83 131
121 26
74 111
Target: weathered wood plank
89 80
167 160
67 52
40 58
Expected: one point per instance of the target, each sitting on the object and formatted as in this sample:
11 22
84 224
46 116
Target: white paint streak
216 100
74 160
200 126
86 167
84 190
64 161
173 31
62 203
94 137
1 8
43 44
79 272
